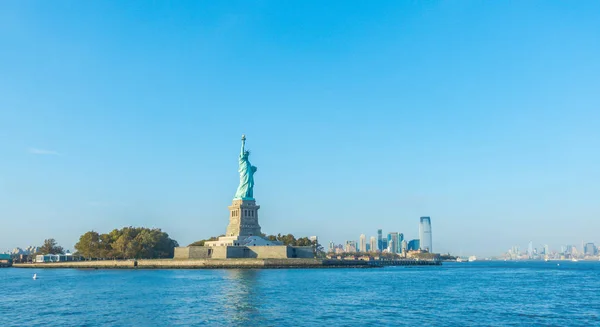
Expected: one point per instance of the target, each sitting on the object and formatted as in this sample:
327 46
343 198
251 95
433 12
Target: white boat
574 260
459 259
472 258
34 276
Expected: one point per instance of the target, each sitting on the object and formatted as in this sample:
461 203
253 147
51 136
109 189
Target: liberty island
243 238
243 245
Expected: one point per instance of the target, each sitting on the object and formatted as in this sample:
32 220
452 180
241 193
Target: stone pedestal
243 218
243 228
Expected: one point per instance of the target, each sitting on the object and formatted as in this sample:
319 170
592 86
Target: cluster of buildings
394 242
567 252
29 254
57 257
23 255
28 250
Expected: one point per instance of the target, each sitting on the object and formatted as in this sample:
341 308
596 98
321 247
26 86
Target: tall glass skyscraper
400 239
393 242
379 240
425 234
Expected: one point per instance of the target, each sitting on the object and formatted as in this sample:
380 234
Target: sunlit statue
245 190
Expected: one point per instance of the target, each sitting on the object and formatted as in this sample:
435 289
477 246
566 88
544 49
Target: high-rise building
379 240
413 245
530 250
331 247
373 244
363 243
400 240
368 247
425 234
546 249
589 249
404 247
516 252
568 249
350 246
384 244
393 242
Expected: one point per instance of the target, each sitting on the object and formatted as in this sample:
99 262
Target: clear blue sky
483 115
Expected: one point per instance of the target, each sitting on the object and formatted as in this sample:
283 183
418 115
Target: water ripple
476 294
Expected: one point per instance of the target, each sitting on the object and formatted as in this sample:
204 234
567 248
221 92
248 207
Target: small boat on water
574 260
34 276
472 258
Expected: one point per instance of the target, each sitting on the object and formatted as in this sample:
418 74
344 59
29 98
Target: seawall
197 264
223 264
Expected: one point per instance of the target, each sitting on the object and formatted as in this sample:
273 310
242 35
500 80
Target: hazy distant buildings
331 247
362 243
379 240
27 251
350 246
373 244
590 249
384 243
425 234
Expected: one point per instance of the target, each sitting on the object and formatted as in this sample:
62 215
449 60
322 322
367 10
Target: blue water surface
455 294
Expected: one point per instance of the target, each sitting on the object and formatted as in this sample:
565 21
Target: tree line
288 239
50 247
127 243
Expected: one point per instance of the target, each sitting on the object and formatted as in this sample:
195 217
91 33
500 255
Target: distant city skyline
483 115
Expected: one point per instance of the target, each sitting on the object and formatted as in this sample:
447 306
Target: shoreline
217 264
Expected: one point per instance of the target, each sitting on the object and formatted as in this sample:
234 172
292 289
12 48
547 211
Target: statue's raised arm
243 145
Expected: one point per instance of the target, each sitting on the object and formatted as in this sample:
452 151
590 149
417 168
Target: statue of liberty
245 190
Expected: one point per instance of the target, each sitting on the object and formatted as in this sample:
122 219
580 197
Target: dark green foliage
201 242
288 239
50 247
127 243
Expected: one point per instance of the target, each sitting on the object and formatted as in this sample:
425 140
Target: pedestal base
242 241
244 252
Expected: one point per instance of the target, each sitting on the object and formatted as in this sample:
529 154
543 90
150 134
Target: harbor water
474 294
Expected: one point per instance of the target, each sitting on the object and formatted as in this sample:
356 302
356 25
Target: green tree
51 247
89 245
318 250
201 242
303 241
288 239
128 243
105 248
